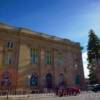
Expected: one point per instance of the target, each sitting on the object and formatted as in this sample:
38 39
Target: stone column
42 67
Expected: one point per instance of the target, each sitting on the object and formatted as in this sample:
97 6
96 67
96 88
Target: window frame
9 44
8 59
34 54
48 56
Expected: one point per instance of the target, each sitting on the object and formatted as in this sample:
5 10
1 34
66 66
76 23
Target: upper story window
59 58
75 57
34 55
8 59
48 56
59 55
9 44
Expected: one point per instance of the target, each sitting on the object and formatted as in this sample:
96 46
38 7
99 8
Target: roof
44 35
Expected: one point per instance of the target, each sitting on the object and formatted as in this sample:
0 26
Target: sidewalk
83 96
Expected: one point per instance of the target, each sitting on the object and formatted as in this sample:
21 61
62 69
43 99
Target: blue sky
70 19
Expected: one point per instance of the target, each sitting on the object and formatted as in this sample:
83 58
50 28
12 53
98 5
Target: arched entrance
49 81
34 80
61 80
6 81
77 80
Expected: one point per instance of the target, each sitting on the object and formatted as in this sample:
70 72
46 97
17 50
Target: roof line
22 29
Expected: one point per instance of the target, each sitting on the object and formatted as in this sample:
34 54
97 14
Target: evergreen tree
93 55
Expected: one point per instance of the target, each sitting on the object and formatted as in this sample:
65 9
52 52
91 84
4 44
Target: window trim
34 54
48 56
9 44
8 59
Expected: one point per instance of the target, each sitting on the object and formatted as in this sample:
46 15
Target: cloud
84 57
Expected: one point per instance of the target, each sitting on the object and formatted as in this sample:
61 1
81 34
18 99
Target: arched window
49 81
33 80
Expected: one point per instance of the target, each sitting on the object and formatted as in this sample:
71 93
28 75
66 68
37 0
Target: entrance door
33 80
6 81
48 81
61 80
77 79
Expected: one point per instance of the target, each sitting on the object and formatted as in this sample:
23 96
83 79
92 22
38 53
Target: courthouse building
34 59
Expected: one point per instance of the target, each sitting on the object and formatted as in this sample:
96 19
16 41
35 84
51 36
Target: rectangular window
48 56
9 44
8 59
34 53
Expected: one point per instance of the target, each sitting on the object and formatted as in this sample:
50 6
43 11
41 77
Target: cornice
42 36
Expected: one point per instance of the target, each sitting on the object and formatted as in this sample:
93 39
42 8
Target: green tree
93 55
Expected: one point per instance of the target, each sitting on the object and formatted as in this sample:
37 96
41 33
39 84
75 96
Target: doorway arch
61 80
34 80
77 80
6 80
49 80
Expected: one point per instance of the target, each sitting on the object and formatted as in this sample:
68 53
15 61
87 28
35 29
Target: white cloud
86 71
84 56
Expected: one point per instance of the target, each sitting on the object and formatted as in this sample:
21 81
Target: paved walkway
83 96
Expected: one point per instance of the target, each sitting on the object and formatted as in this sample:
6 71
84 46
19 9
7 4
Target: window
48 56
8 59
9 44
77 80
34 55
59 58
59 54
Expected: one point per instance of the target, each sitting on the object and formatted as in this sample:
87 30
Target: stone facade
66 59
